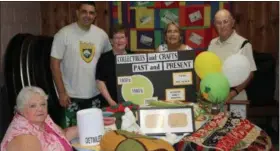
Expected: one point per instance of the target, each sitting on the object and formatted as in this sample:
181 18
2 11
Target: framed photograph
158 121
238 108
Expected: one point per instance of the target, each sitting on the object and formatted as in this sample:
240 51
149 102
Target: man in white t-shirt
75 52
229 43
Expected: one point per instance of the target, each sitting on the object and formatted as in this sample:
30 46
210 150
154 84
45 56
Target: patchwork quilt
226 133
145 21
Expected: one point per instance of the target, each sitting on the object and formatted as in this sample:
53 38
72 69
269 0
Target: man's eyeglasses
222 22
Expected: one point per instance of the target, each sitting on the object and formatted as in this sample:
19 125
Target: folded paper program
169 17
146 40
129 122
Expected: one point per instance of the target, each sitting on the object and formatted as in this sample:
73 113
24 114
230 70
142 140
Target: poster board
156 76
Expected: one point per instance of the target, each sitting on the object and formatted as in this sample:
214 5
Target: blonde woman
173 39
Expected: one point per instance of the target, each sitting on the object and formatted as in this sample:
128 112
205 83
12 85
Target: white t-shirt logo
87 51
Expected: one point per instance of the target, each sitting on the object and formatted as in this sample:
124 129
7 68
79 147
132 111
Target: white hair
25 94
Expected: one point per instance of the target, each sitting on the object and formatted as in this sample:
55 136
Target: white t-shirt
232 46
79 52
164 47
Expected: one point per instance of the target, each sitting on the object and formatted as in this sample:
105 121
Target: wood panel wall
257 21
56 15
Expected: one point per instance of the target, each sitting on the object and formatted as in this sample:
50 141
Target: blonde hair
177 26
25 94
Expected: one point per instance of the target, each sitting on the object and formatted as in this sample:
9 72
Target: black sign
163 76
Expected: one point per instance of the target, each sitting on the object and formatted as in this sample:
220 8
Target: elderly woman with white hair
32 129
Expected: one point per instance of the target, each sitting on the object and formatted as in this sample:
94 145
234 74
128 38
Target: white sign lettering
147 67
178 65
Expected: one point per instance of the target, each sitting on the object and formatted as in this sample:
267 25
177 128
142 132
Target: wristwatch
234 89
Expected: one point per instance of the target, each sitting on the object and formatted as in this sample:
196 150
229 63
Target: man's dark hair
87 3
118 28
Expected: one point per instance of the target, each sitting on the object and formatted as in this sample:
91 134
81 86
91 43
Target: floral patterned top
51 138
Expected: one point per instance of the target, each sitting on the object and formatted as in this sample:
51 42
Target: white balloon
237 69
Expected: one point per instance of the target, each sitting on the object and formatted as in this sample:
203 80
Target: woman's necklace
175 47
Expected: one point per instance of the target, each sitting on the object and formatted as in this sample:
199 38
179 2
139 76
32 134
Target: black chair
260 91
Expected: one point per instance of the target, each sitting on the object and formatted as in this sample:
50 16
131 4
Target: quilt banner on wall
156 76
146 20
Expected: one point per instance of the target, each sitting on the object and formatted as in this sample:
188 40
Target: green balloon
215 87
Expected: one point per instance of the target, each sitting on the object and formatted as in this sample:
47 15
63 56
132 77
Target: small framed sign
158 121
238 108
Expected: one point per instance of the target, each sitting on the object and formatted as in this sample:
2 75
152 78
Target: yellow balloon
207 62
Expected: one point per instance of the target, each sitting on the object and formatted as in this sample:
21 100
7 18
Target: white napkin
129 122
